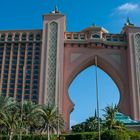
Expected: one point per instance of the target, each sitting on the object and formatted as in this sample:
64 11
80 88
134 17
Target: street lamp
97 98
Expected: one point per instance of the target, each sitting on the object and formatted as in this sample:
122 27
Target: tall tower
133 58
51 71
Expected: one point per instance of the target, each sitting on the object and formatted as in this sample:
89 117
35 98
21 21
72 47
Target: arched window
9 38
31 37
38 37
115 38
24 37
95 36
16 37
2 37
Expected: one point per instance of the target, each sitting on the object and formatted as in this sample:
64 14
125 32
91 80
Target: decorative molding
137 63
51 63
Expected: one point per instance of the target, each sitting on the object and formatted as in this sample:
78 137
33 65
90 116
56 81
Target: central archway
82 92
105 66
108 65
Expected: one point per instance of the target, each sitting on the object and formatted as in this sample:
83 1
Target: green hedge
134 135
29 137
115 135
80 136
106 135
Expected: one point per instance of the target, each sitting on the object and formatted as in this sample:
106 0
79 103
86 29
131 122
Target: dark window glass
16 37
9 38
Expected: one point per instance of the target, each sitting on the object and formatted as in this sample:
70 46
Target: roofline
20 30
95 27
53 14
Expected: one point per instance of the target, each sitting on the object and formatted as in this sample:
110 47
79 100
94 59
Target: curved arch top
112 62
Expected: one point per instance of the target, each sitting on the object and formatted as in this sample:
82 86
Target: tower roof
95 28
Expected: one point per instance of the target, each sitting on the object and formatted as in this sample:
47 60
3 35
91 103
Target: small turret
55 11
128 23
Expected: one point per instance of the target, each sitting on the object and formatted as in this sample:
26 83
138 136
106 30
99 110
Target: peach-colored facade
65 54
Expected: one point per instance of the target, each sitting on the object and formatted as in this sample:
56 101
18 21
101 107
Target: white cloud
128 7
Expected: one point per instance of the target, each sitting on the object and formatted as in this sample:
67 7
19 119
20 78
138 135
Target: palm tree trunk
48 132
10 136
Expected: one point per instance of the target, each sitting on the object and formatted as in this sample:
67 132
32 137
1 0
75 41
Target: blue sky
27 14
83 93
111 14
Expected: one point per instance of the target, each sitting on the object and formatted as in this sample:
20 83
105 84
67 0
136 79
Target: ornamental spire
55 11
128 22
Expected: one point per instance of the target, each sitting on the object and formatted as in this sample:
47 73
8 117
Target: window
34 97
23 37
19 91
26 96
69 36
75 36
3 90
38 37
115 39
12 86
14 52
82 36
19 81
12 81
95 36
35 81
5 71
35 76
28 81
28 66
10 93
28 76
29 53
37 53
16 37
2 37
9 38
31 37
4 86
37 49
29 48
13 66
12 76
5 81
108 38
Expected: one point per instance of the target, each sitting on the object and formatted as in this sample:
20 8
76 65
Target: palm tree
111 122
29 114
10 120
50 116
92 124
5 102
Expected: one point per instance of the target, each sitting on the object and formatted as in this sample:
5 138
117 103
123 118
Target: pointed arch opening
107 69
82 92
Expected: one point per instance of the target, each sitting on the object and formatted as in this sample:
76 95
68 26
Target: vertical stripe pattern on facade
137 61
51 62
